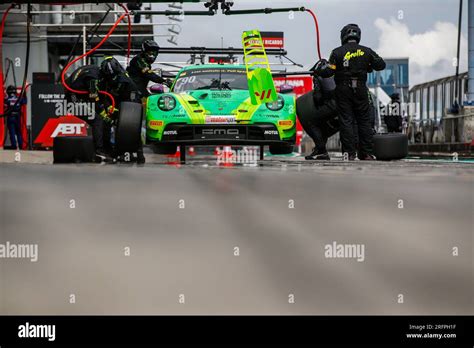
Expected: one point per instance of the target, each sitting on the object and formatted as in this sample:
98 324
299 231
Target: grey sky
420 17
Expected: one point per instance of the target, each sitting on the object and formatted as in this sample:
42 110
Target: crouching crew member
324 123
118 83
351 63
140 69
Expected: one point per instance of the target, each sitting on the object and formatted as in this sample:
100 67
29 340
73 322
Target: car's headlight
277 104
166 103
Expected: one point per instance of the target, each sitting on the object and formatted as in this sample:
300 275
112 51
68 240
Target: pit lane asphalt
189 249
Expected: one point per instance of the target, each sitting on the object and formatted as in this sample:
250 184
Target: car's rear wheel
129 127
281 149
164 149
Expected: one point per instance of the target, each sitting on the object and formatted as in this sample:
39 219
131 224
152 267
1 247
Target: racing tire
129 128
305 107
164 149
281 149
73 149
391 146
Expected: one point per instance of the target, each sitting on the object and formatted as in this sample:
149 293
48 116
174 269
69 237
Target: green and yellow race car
210 105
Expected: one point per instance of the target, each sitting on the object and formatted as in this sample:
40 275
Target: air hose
63 79
129 45
318 45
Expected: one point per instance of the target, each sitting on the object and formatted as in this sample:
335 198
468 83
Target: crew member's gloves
93 95
168 83
323 68
106 117
106 114
111 110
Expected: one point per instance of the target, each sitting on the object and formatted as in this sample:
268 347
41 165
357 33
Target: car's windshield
211 78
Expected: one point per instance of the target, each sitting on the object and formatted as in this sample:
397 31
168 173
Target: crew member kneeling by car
88 78
118 83
324 123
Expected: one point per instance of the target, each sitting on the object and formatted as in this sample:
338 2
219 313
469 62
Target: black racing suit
325 122
352 62
141 73
123 89
87 78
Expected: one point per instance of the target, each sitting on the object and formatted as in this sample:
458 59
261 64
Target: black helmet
350 32
11 89
151 49
111 68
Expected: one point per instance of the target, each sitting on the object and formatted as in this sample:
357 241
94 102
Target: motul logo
68 129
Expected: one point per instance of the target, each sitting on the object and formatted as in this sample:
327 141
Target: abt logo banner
58 127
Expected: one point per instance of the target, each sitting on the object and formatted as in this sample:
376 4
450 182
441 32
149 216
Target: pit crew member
117 82
351 63
13 113
140 67
325 122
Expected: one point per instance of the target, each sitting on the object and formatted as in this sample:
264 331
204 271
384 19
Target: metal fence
430 101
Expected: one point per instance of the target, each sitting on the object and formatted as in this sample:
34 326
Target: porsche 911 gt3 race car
210 105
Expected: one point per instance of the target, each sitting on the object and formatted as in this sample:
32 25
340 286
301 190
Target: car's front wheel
281 149
129 126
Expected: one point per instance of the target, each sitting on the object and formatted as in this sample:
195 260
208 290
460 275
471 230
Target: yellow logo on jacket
349 55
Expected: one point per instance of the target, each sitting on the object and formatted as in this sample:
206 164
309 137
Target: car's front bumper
221 134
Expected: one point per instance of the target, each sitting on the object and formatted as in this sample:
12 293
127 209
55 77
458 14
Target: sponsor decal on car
221 95
170 132
154 124
287 123
227 119
271 132
220 131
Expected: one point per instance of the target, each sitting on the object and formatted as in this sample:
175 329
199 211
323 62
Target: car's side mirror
157 89
286 89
